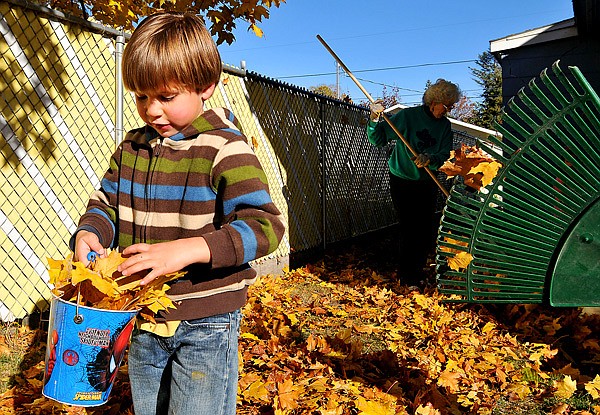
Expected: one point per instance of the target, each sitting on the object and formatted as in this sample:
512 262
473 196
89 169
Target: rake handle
385 117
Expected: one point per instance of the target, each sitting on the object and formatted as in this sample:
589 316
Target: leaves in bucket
102 286
476 167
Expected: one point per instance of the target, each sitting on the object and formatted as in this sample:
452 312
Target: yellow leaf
130 286
593 387
565 388
56 270
288 394
460 260
368 329
249 336
160 303
427 410
489 169
371 407
422 300
521 390
257 30
105 285
453 242
257 392
108 266
449 380
489 326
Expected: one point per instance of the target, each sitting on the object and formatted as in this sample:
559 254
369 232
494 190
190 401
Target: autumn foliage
221 17
341 336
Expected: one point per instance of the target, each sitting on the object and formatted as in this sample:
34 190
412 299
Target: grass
13 348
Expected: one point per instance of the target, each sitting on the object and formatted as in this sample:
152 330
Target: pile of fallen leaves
341 336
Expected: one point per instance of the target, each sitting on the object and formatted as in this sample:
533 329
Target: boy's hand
85 242
164 258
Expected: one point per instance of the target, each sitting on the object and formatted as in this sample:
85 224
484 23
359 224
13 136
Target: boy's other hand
164 257
85 242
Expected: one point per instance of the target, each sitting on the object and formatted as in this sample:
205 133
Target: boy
185 192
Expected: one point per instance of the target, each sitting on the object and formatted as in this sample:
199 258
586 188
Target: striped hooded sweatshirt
204 181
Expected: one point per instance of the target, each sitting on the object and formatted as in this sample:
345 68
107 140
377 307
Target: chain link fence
63 111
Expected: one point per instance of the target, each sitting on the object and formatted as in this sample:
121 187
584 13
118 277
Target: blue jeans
193 372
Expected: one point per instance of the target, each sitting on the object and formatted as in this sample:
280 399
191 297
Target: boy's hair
171 49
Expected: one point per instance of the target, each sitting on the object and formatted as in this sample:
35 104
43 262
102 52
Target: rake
534 232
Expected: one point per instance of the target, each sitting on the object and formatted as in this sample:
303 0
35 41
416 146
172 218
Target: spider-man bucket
84 350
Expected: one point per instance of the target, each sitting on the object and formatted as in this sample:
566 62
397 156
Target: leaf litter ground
340 335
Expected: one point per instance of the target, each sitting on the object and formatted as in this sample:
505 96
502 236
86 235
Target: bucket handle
78 319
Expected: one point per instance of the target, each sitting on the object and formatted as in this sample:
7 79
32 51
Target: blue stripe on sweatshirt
258 198
248 239
163 192
109 187
232 130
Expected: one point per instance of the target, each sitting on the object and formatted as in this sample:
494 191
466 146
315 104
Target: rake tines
515 228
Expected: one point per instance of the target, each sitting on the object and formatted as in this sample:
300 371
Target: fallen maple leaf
593 387
565 388
561 408
427 410
288 394
449 380
256 391
373 407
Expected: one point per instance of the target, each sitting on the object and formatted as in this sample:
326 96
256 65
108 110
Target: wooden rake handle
385 117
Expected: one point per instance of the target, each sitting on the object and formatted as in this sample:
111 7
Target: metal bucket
84 351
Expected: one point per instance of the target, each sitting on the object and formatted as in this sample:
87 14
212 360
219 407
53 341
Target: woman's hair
171 49
442 91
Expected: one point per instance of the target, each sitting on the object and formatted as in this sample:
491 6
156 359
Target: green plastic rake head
534 233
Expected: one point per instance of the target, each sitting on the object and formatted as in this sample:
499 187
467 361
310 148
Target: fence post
323 172
119 104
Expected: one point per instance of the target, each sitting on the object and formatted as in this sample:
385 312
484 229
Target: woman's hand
376 108
422 160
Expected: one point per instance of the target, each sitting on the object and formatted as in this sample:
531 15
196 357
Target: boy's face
169 110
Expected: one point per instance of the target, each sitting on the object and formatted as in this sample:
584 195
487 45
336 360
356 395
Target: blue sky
398 43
